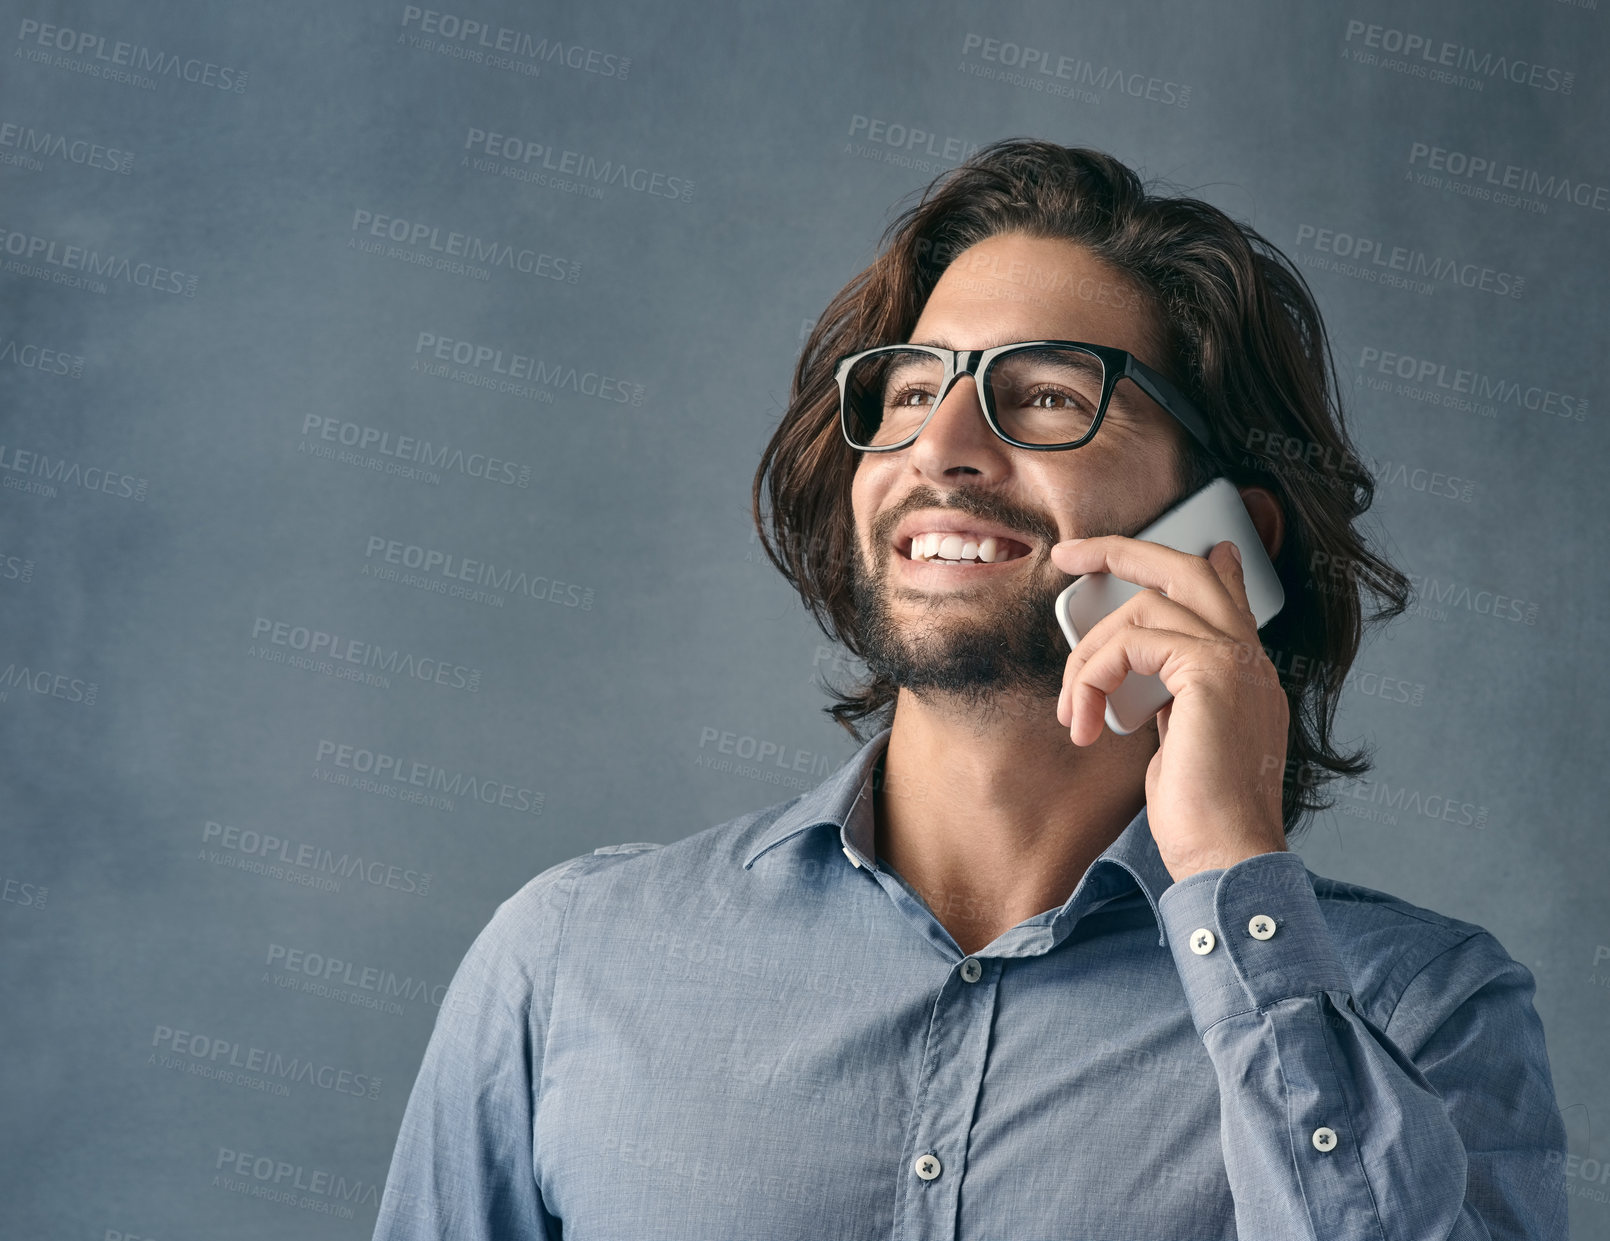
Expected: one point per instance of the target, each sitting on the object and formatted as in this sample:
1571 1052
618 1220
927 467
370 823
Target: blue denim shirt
760 1032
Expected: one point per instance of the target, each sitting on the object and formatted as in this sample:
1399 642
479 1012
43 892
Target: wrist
1221 858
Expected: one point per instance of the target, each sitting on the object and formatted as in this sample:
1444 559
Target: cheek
1107 477
1071 495
866 493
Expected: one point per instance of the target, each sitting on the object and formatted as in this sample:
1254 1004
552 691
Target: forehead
1014 287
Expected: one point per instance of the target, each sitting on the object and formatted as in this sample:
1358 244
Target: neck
993 815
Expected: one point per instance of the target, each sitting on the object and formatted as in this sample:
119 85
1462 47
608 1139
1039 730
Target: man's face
971 630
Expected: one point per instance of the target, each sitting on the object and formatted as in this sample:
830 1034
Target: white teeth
957 548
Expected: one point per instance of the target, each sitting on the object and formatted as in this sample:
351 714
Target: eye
1052 398
908 396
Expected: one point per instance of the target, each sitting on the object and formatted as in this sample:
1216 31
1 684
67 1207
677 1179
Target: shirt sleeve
463 1166
1438 1124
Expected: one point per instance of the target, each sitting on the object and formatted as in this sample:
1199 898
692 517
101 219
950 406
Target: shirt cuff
1248 936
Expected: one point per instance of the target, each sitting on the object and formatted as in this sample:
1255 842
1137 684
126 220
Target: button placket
953 1071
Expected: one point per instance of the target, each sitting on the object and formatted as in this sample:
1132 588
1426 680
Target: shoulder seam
1432 960
553 984
1396 904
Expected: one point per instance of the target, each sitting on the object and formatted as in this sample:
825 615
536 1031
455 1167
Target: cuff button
1202 941
1262 926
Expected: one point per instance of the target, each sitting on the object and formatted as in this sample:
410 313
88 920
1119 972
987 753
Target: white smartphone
1194 525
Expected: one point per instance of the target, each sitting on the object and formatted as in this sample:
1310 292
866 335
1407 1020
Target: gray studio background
552 628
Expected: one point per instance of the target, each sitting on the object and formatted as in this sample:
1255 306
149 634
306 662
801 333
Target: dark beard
1015 646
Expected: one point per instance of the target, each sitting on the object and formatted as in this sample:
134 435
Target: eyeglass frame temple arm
1161 390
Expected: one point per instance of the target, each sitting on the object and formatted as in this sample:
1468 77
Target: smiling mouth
960 548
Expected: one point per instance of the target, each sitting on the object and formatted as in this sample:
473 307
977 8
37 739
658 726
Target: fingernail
1236 552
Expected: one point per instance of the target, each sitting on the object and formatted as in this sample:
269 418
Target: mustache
972 502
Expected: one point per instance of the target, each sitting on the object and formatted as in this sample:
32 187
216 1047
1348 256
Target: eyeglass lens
1043 394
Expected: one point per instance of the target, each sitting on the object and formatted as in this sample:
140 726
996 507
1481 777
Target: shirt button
1324 1139
972 971
1201 941
1262 926
927 1166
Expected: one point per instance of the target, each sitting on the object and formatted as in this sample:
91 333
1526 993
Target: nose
958 437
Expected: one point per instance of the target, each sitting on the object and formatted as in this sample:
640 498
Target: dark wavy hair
1238 331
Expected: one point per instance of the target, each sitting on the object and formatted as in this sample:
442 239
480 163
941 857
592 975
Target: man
1007 974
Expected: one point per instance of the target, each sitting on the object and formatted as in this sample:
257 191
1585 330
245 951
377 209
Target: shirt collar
844 801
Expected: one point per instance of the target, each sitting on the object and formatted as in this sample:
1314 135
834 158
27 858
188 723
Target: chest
720 1081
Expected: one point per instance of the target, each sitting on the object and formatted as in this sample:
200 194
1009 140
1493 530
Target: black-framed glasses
1044 395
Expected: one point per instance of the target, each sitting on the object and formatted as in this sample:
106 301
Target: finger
1167 654
1225 558
1192 580
1149 610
